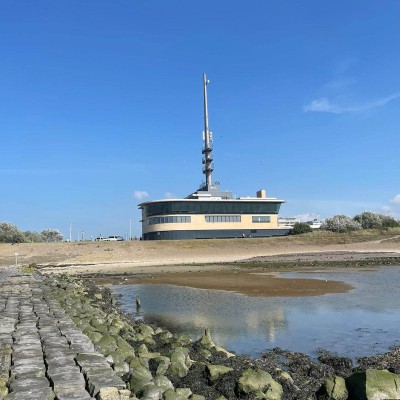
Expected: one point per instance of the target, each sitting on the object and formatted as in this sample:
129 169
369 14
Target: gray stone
98 378
63 377
32 394
72 394
19 385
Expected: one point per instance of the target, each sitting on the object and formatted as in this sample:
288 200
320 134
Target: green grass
27 270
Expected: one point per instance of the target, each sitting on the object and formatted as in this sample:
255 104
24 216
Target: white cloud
339 83
396 199
325 105
169 195
140 194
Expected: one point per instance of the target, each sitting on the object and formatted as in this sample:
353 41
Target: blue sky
101 106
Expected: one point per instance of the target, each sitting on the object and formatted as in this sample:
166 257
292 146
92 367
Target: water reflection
361 322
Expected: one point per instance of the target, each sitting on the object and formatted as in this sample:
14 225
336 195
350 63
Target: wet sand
248 283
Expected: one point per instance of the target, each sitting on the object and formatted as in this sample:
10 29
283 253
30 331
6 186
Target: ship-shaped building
210 213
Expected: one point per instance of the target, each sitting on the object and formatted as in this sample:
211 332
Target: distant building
288 222
209 212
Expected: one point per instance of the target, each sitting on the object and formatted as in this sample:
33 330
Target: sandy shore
214 264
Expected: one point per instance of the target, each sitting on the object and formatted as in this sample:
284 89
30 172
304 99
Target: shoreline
253 277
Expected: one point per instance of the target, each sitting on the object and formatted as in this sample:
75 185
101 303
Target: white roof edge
241 199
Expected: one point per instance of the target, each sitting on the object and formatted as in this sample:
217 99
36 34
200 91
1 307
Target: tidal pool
364 321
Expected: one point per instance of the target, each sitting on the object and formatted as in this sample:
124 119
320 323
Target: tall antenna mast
207 137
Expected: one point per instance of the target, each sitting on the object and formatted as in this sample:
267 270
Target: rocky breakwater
64 338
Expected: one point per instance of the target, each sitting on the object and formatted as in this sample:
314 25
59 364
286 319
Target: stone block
32 394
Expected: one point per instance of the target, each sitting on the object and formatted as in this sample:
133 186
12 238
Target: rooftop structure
209 212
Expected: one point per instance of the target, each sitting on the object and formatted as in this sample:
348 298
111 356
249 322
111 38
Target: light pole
70 231
130 229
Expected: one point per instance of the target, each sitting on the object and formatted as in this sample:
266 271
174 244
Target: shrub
389 222
340 223
300 227
369 220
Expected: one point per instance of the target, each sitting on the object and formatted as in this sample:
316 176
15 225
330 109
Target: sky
101 107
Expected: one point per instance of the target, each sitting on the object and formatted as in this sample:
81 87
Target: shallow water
364 321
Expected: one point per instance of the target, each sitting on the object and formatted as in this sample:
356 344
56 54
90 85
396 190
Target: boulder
260 382
151 392
163 382
180 362
215 371
184 392
140 377
172 395
162 364
334 388
106 345
374 384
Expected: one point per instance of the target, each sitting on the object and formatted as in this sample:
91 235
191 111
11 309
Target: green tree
34 237
300 227
9 233
51 235
389 222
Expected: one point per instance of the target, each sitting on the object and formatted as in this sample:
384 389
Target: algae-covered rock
106 345
137 362
206 341
151 392
184 392
142 349
140 377
180 362
226 352
121 368
113 330
94 336
204 353
183 340
162 364
197 397
163 382
165 337
284 376
3 388
146 330
172 395
374 384
256 380
215 371
334 388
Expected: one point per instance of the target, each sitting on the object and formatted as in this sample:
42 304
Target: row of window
168 220
261 218
223 218
210 207
209 218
